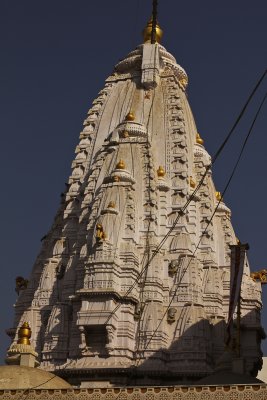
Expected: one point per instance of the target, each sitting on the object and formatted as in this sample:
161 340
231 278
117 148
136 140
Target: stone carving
171 314
107 271
21 284
231 392
173 267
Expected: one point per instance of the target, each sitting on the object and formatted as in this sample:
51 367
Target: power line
191 197
214 212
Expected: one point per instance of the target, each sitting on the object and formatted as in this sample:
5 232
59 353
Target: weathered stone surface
20 377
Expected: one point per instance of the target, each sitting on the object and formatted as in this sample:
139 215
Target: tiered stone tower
98 299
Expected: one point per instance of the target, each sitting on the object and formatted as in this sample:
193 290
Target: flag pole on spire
154 21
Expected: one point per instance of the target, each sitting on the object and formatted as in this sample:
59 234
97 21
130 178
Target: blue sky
55 56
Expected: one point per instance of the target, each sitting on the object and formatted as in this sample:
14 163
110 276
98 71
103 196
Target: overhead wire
191 197
187 203
211 218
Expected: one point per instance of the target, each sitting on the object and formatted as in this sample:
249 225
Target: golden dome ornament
130 116
147 32
218 196
161 172
24 334
199 140
121 164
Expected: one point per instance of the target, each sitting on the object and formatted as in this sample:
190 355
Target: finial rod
154 21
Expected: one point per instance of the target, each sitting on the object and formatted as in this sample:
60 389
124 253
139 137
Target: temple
131 286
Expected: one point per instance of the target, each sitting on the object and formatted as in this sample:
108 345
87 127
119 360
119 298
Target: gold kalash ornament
147 32
161 172
24 334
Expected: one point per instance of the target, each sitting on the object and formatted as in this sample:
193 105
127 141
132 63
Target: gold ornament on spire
130 116
199 140
161 172
147 32
111 204
121 165
192 182
24 334
218 196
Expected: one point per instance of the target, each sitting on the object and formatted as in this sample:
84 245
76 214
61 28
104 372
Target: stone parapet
236 392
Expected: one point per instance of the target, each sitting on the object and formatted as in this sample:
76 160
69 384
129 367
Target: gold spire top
130 116
199 140
24 334
160 172
120 165
147 32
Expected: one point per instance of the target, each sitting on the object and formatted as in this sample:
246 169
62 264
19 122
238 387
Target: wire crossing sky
55 58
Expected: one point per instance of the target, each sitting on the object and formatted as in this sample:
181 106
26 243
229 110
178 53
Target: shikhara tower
98 299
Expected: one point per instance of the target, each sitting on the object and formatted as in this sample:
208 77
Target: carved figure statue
259 276
173 267
21 284
100 234
171 314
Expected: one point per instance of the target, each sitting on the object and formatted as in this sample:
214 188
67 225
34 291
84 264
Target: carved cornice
234 392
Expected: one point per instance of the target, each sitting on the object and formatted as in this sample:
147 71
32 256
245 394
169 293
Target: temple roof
20 377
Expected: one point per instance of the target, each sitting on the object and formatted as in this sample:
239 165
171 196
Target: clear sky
55 56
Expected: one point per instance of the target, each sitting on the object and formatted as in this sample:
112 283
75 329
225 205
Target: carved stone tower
127 288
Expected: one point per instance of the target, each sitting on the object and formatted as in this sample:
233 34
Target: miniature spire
22 353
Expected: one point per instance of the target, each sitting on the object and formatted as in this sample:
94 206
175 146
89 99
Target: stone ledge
234 392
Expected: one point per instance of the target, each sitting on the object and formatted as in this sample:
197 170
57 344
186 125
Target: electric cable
239 116
181 212
213 214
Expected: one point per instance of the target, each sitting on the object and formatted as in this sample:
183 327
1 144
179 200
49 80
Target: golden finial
111 204
192 182
218 196
130 116
120 165
183 82
161 172
147 32
199 140
24 334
